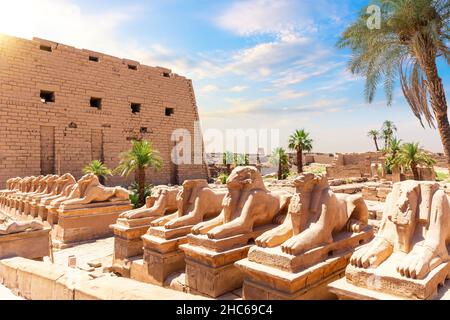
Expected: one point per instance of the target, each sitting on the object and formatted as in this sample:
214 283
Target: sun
17 17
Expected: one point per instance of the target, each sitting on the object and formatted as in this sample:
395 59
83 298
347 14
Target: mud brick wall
353 165
63 136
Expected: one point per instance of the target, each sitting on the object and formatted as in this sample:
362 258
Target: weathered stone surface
28 244
409 256
68 133
312 247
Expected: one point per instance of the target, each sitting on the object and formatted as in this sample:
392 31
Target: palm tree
300 141
280 159
375 135
99 169
227 160
387 131
392 152
394 147
413 35
411 156
140 157
241 159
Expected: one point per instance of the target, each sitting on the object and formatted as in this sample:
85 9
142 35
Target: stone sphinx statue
416 223
315 214
62 184
247 205
89 190
62 189
31 201
162 200
9 226
196 201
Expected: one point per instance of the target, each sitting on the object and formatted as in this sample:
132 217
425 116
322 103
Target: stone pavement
6 294
98 250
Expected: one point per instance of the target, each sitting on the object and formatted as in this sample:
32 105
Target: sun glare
17 18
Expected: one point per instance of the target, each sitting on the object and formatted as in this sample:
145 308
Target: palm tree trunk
376 143
415 171
141 185
280 171
427 61
299 161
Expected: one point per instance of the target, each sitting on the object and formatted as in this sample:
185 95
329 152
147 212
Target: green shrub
223 177
134 193
442 176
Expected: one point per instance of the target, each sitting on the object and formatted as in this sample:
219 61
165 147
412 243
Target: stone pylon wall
66 134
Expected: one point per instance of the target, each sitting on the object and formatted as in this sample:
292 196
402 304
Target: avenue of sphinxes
112 188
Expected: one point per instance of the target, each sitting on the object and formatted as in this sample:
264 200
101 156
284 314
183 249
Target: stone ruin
409 257
308 242
77 210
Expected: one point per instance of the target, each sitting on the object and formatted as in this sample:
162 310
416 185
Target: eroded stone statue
248 204
196 203
416 222
89 190
12 226
315 214
162 200
63 184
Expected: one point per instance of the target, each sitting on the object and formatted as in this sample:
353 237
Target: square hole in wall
93 58
96 103
135 107
169 112
132 67
45 48
166 74
144 130
47 96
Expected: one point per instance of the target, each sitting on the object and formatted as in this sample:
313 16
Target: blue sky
254 63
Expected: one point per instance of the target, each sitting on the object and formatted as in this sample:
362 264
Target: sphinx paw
355 226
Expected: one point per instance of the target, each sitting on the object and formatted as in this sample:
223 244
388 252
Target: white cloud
253 17
291 94
209 88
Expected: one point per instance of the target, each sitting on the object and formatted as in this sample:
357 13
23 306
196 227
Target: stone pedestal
128 242
210 263
52 215
42 212
29 244
271 274
87 222
385 282
162 255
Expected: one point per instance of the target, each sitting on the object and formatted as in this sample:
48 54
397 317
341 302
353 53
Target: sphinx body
248 204
162 200
416 222
315 214
62 184
196 202
89 190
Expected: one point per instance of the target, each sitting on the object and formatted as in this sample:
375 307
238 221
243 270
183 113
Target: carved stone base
30 244
42 212
158 266
87 223
162 255
33 209
52 215
386 280
128 242
210 263
273 274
